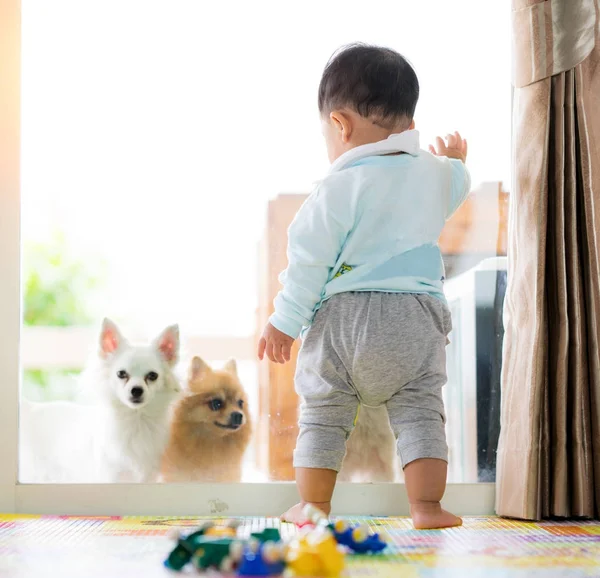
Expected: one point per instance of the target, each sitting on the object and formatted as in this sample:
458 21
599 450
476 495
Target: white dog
371 455
121 436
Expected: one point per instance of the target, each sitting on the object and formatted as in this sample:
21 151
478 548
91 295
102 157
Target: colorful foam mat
65 547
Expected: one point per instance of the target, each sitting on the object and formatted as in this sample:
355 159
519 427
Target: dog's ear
198 369
231 367
167 344
110 339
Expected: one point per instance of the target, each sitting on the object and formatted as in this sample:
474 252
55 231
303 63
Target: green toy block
182 554
211 552
267 535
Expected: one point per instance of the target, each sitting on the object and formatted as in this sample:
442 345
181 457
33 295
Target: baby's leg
320 450
329 406
416 416
425 481
315 486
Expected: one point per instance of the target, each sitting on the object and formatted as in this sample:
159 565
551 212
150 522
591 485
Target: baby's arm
455 149
315 240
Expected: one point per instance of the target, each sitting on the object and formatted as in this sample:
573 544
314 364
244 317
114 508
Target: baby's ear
231 367
198 369
167 344
110 339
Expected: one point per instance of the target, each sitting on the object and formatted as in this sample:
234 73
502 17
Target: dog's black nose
236 418
137 392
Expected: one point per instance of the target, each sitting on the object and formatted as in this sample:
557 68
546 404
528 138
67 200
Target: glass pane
161 142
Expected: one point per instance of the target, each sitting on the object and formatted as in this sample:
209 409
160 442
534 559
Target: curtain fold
550 37
549 448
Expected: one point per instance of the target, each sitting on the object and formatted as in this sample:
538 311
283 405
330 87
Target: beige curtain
549 449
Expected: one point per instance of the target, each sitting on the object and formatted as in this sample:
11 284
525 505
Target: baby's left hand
276 344
455 147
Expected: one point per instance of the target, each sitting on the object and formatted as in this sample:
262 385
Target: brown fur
198 450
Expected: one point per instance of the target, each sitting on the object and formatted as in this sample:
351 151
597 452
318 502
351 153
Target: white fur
371 450
113 439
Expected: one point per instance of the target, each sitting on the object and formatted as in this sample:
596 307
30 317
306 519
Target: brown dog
210 429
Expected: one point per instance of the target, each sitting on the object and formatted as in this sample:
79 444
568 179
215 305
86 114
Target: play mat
65 547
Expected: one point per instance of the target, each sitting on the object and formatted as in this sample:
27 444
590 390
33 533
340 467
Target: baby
365 282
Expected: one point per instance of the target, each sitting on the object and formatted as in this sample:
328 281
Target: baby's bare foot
431 516
296 514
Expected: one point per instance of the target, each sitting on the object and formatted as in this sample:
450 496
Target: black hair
377 83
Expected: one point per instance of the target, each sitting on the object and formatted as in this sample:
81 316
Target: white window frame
119 499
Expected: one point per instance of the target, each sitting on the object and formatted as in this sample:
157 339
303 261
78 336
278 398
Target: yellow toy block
221 532
315 554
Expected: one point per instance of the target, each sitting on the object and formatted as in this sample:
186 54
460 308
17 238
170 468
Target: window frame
131 499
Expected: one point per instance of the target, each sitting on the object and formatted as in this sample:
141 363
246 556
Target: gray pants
373 349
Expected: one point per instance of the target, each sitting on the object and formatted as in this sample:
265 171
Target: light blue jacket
372 224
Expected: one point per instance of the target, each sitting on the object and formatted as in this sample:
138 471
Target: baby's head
366 94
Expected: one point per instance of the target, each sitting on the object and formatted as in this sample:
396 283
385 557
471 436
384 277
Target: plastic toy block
212 553
266 560
178 558
315 554
359 539
227 531
208 547
314 516
267 535
182 554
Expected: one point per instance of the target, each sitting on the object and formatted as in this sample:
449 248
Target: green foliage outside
59 290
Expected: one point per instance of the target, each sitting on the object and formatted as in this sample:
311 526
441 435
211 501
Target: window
157 142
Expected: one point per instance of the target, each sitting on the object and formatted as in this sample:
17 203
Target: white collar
403 142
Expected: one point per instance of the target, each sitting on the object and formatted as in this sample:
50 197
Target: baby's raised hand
454 147
275 344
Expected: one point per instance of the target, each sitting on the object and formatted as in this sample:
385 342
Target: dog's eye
122 374
241 403
216 404
152 376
